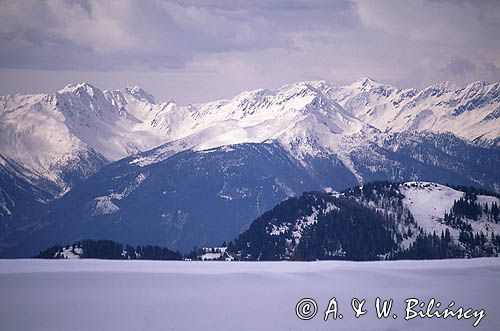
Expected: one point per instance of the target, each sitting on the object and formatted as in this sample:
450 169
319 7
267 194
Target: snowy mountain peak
364 80
252 97
366 83
437 90
480 84
140 94
301 86
482 89
79 88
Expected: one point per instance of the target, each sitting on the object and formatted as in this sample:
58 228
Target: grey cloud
492 72
492 68
460 67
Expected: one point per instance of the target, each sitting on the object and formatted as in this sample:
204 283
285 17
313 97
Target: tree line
111 250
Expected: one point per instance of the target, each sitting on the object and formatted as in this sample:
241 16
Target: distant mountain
470 112
77 158
71 133
413 220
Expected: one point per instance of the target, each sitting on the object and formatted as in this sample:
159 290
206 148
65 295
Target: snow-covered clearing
147 295
420 195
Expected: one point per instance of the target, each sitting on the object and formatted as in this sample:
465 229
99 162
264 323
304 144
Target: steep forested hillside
380 220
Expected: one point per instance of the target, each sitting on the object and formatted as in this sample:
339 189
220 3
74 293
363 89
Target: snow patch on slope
104 206
428 202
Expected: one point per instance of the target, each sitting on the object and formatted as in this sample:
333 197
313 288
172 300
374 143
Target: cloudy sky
196 51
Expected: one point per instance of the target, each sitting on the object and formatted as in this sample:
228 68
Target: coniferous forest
108 249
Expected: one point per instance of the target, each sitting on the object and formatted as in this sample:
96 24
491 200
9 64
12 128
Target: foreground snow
147 295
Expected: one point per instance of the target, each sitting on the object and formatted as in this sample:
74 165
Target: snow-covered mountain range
125 159
50 133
